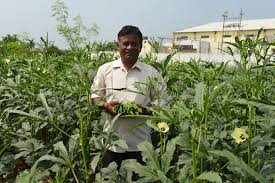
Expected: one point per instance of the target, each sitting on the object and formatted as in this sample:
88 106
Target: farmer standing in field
114 83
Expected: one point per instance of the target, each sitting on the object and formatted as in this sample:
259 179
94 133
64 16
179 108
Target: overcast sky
155 18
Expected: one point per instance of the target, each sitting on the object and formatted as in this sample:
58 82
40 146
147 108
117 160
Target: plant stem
198 148
205 121
161 143
75 177
164 143
250 108
83 142
194 162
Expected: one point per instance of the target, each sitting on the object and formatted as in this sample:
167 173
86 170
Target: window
182 38
204 37
187 47
226 36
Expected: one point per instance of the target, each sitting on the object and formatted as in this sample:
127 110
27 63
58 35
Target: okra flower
163 127
239 135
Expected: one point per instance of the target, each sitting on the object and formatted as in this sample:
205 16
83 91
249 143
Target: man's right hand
110 107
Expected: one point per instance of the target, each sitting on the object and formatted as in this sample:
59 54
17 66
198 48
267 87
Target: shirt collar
118 64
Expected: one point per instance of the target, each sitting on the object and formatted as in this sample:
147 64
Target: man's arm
98 92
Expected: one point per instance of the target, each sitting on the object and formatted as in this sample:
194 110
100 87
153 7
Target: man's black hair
129 29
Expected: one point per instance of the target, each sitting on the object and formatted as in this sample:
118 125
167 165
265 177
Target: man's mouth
129 54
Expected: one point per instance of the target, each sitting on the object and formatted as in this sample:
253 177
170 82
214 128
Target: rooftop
233 25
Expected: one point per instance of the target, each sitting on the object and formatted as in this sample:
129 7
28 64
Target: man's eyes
132 44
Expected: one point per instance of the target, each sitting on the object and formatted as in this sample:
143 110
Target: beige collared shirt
113 82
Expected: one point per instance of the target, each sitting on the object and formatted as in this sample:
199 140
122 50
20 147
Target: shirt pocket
115 88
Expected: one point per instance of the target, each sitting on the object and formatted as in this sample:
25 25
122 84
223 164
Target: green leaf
73 145
31 115
54 159
113 122
94 162
60 175
171 81
4 148
182 108
241 166
199 97
24 177
149 155
257 103
45 104
167 157
210 176
217 91
163 178
229 50
143 171
120 143
29 145
59 146
166 114
37 117
194 68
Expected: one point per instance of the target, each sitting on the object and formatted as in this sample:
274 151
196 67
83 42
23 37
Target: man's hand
145 110
110 107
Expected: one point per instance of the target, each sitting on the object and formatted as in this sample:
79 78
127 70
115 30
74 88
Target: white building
211 37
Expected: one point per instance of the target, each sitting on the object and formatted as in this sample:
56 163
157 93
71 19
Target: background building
156 45
212 37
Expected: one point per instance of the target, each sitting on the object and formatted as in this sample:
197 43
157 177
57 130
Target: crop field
218 123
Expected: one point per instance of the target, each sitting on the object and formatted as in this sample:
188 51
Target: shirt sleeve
98 86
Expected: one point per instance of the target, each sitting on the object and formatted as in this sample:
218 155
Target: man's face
129 47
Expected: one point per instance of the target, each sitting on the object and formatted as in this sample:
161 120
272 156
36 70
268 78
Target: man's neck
128 64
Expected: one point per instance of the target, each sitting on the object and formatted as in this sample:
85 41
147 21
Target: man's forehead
129 36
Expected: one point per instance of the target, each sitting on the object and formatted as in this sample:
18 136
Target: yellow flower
239 135
163 127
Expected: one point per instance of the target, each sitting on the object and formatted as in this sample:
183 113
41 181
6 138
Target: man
115 82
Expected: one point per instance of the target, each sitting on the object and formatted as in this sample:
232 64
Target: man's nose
131 46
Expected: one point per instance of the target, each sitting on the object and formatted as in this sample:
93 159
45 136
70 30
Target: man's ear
140 48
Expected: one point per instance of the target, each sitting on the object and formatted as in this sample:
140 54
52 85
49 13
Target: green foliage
128 108
239 165
210 176
12 47
156 166
40 100
50 132
76 35
155 44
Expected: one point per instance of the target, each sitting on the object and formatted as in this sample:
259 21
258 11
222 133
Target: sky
155 18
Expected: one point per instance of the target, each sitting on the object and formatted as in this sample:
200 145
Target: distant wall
186 57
